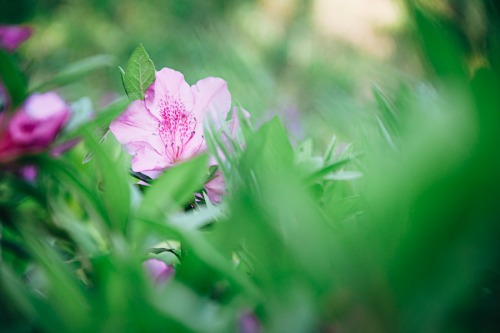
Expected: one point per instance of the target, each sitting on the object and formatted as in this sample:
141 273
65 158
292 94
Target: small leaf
139 74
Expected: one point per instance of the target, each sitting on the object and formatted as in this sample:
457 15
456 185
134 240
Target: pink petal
33 126
136 124
249 323
38 121
168 83
146 158
137 130
158 270
44 106
29 173
216 188
152 173
235 120
211 98
8 149
11 36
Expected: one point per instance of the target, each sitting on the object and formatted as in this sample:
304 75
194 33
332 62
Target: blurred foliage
396 233
273 55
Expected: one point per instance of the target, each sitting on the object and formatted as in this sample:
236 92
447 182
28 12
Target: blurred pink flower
32 127
158 270
248 323
29 173
216 188
11 36
167 127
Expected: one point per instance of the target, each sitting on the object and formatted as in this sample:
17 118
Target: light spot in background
361 23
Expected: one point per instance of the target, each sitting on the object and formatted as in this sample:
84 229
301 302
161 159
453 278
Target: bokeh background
312 62
412 246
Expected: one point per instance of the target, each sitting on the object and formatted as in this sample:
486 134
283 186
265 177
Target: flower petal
215 188
11 36
38 121
158 270
136 125
235 125
212 98
146 158
168 84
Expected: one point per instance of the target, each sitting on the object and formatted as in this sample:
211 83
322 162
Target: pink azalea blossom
33 127
158 270
11 36
167 127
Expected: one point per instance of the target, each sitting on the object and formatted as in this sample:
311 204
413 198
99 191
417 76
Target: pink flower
11 36
158 270
216 188
167 127
248 323
33 127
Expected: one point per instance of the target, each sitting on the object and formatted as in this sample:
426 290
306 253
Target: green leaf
12 80
328 169
139 74
175 187
329 150
116 193
103 119
269 151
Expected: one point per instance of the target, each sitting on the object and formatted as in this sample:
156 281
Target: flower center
177 126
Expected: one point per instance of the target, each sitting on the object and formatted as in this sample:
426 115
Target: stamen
177 126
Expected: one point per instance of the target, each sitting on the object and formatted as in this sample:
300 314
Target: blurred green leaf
174 188
116 192
326 170
303 152
12 79
102 119
76 71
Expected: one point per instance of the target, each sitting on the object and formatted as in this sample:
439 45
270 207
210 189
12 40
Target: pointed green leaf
139 74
